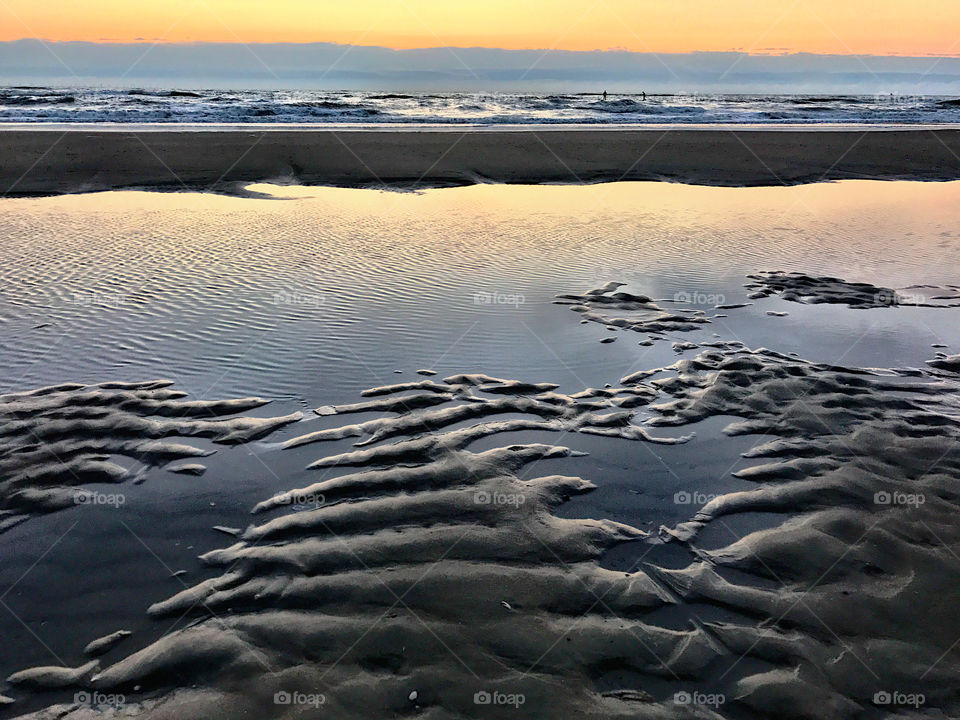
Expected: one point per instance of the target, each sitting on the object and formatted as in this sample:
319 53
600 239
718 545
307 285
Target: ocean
31 104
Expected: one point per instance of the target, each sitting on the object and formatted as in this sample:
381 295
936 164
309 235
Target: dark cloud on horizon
333 66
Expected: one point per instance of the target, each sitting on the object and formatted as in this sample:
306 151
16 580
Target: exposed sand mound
802 288
103 645
950 363
624 311
88 159
48 678
56 439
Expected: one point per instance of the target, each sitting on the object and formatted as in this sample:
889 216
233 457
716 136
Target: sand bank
55 159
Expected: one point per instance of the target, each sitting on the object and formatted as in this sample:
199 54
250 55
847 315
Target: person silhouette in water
604 94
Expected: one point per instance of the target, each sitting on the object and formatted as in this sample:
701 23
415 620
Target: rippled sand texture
57 439
855 582
432 572
432 568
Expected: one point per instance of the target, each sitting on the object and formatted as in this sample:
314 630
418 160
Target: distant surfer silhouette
604 94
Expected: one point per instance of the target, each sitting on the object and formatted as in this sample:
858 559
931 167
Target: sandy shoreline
69 159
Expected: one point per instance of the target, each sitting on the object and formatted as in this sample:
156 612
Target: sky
853 46
867 27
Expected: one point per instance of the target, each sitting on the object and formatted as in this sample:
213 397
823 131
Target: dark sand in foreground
69 159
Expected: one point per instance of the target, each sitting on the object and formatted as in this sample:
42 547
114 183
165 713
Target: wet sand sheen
445 573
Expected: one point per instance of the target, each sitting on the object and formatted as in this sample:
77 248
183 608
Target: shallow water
321 292
311 295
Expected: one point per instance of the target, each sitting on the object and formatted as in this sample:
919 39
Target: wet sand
62 158
444 543
434 579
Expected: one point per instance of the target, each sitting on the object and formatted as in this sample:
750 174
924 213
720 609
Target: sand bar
64 158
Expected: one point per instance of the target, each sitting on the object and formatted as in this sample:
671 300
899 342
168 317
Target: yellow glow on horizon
881 27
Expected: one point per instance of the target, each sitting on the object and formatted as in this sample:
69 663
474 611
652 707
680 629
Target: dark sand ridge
635 312
950 363
56 439
71 159
802 288
414 585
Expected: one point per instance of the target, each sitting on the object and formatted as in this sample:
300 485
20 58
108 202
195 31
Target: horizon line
613 50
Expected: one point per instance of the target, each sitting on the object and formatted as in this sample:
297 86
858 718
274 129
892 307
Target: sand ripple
57 439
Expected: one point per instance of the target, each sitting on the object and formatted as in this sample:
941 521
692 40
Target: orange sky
883 27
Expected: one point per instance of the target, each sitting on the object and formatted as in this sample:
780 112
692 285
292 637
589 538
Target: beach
56 158
613 450
472 361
